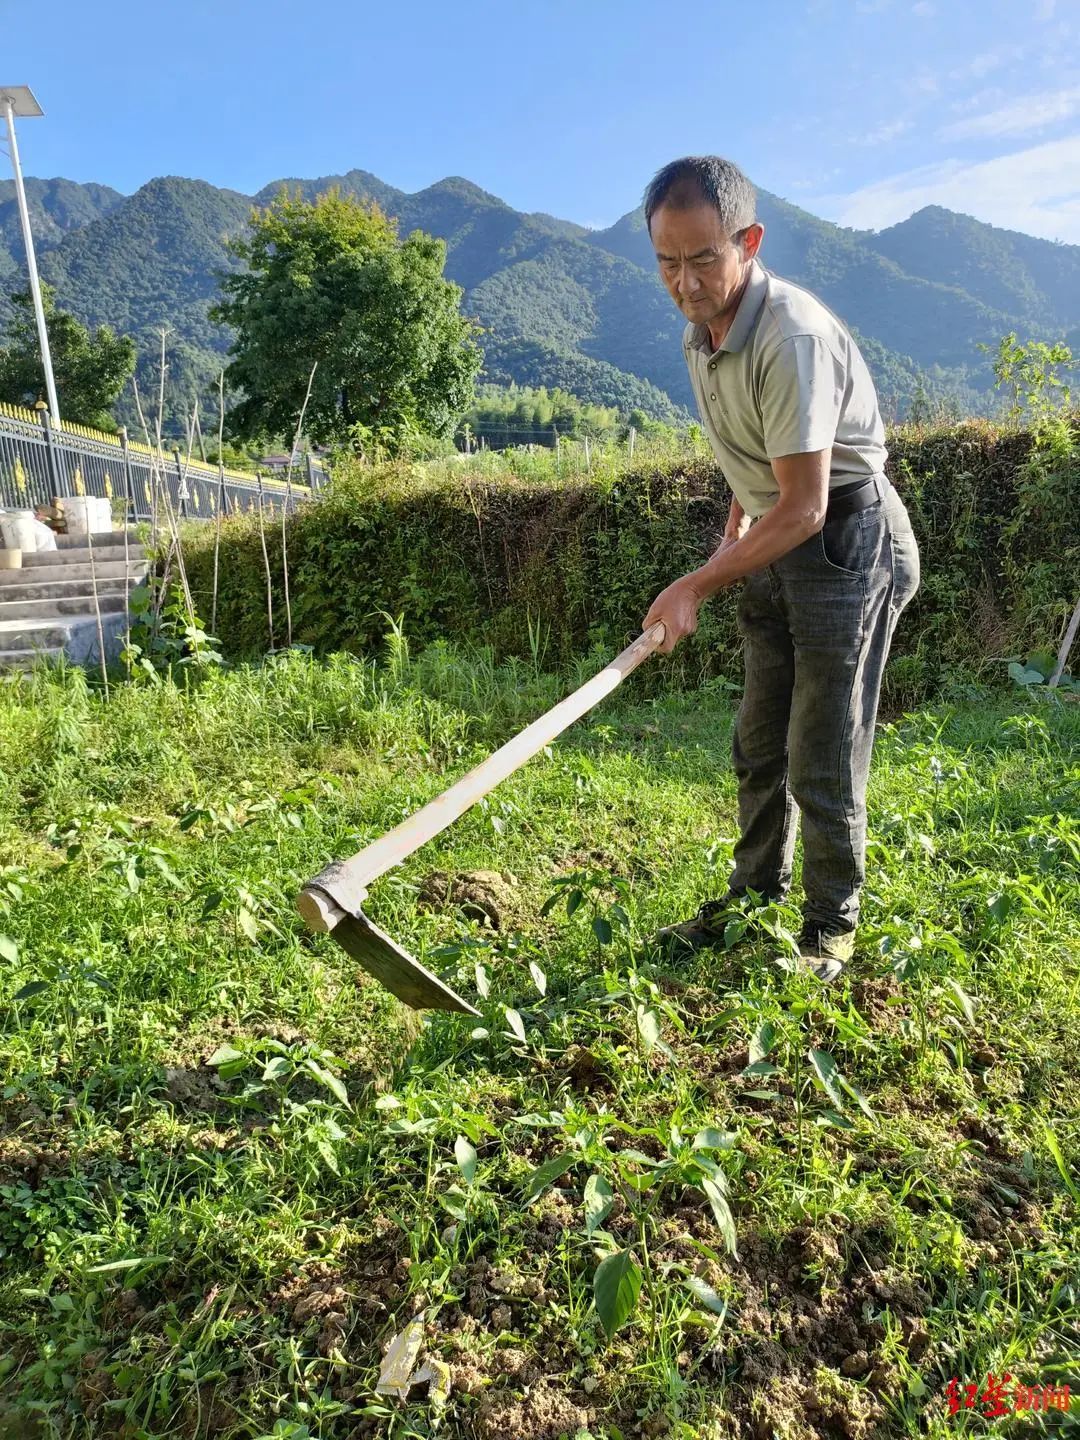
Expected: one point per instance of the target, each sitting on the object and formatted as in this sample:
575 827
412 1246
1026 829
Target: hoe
333 901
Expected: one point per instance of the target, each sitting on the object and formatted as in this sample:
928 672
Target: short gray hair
708 180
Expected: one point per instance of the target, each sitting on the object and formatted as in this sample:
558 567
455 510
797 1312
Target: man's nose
688 281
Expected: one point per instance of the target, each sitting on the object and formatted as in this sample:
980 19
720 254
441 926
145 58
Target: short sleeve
802 393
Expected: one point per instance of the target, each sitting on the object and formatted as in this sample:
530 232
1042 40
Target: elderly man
817 535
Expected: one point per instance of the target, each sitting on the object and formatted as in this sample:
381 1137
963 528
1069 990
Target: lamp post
19 100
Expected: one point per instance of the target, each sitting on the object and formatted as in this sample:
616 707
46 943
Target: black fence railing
40 462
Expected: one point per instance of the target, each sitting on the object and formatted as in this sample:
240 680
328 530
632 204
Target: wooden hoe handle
341 888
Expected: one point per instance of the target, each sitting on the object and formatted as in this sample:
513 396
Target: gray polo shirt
787 379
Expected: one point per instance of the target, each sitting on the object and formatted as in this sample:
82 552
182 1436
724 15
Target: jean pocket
840 541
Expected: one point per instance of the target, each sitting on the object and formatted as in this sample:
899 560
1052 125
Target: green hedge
498 550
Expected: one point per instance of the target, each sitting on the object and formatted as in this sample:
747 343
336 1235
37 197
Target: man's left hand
677 607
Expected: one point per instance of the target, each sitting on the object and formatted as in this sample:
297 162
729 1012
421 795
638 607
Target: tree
90 370
330 281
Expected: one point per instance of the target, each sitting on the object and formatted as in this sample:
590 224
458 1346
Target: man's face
702 267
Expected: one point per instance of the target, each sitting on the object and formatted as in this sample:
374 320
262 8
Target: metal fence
40 462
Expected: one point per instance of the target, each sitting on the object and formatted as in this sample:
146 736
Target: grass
634 1200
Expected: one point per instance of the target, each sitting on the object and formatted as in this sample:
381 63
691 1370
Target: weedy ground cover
635 1199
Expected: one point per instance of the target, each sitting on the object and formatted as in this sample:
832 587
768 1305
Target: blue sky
860 110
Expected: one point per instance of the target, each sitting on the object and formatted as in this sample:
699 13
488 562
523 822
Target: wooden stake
221 496
285 507
1066 646
266 562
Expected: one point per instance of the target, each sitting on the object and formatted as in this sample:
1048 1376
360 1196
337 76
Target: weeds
630 1200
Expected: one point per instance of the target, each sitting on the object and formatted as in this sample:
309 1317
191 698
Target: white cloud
884 133
984 63
1044 10
1020 117
924 8
1036 190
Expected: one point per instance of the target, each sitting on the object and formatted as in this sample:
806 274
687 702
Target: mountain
55 207
1003 269
560 304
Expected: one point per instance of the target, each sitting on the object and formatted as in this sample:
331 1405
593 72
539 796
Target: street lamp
19 100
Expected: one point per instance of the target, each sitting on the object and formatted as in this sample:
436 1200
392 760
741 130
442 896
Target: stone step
65 588
100 538
81 554
74 571
25 659
56 608
32 635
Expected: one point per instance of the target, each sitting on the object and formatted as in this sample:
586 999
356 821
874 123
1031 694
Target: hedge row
524 553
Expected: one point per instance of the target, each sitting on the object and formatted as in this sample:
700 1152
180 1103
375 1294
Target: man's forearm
738 522
785 526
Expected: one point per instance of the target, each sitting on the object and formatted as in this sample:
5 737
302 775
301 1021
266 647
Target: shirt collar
745 316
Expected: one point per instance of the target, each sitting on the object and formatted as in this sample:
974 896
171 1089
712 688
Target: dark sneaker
826 955
706 931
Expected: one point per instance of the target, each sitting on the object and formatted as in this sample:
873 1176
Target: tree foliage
330 281
507 416
90 369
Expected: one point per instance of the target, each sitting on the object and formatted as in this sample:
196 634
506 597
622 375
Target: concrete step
25 659
58 608
81 554
75 571
48 634
62 589
100 538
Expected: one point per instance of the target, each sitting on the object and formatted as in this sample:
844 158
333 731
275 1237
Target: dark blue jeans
816 628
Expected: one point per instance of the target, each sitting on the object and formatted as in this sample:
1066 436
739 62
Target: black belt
859 495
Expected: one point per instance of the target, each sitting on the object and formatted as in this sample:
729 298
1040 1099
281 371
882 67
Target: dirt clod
486 896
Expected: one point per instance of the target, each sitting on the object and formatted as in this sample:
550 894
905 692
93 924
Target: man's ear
752 238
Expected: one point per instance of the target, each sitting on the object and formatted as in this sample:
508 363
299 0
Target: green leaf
112 1265
710 1139
707 1296
247 923
387 1102
483 984
465 1155
517 1025
211 903
324 1077
857 1095
1059 1160
827 1071
722 1213
545 1175
760 1067
277 1067
8 949
225 1054
30 989
598 1201
761 1043
963 1000
833 1120
616 1286
648 1027
574 901
602 930
538 977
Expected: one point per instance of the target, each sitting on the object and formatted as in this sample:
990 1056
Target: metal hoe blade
395 968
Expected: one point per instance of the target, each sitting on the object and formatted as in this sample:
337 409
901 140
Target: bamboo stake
266 563
1066 646
285 507
127 551
220 497
97 607
174 532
